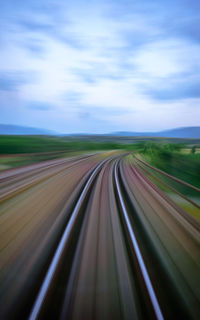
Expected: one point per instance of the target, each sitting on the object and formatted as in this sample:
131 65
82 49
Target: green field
181 159
22 150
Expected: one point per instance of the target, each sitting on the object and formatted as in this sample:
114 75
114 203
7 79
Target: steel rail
59 251
135 245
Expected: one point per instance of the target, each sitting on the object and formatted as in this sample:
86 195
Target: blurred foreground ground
98 275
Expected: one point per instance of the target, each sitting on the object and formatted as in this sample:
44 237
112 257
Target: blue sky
100 65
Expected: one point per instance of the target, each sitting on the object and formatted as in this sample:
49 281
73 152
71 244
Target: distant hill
9 129
184 132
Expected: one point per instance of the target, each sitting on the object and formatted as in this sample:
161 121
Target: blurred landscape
44 178
175 155
178 157
100 160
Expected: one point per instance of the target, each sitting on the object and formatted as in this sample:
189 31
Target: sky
97 66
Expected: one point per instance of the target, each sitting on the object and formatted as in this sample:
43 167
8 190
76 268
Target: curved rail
104 199
143 268
57 256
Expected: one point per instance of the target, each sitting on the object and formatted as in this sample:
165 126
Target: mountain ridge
181 132
10 129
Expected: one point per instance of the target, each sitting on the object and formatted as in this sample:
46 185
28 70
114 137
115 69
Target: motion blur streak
100 282
98 275
138 254
60 249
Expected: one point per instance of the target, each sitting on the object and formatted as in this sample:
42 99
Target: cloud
183 86
35 48
100 65
35 26
185 28
13 80
84 115
40 106
8 84
177 92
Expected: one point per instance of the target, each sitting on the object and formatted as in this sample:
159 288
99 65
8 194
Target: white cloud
109 69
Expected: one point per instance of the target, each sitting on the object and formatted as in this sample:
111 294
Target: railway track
108 278
116 255
137 252
169 242
24 179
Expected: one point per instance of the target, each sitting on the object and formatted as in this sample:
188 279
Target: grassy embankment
176 159
179 160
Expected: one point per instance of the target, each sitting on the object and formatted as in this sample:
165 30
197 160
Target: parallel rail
49 278
60 249
143 274
136 248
